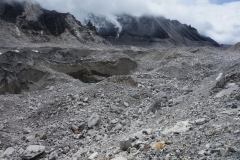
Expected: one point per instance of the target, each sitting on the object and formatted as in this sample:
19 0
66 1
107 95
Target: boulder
53 155
33 151
124 145
180 127
93 120
8 152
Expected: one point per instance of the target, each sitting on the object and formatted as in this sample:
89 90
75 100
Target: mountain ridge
147 29
32 24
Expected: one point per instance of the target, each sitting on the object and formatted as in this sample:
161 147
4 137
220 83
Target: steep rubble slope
235 48
26 23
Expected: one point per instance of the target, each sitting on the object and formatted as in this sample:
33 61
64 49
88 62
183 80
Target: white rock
76 97
31 107
18 32
149 130
224 151
230 88
229 112
168 157
93 120
219 76
119 127
126 104
66 150
85 99
201 121
30 138
92 156
119 158
180 127
1 126
8 152
17 51
26 130
77 155
208 146
51 88
202 152
33 151
20 151
139 135
53 155
36 51
114 121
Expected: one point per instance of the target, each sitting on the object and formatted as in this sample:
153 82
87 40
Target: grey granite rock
93 120
124 145
33 151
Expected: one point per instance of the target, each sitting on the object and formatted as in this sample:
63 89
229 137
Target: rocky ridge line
26 24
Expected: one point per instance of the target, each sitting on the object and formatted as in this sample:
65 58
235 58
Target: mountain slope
235 48
26 23
147 29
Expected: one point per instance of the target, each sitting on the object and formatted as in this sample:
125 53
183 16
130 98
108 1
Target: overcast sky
218 19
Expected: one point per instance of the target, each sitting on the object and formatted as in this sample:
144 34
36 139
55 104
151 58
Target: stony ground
180 103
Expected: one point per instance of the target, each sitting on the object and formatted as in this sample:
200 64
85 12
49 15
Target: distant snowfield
99 21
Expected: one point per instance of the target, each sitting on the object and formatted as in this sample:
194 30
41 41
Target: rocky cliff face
30 23
21 69
148 29
105 27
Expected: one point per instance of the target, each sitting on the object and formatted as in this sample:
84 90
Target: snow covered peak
105 25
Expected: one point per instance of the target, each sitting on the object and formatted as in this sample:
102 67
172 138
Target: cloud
222 1
212 18
10 1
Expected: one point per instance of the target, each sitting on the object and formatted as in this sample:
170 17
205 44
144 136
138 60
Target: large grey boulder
8 152
33 151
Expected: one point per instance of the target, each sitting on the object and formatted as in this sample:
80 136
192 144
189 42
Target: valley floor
179 103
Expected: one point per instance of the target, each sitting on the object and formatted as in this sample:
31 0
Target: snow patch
101 21
116 23
36 51
17 51
18 32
